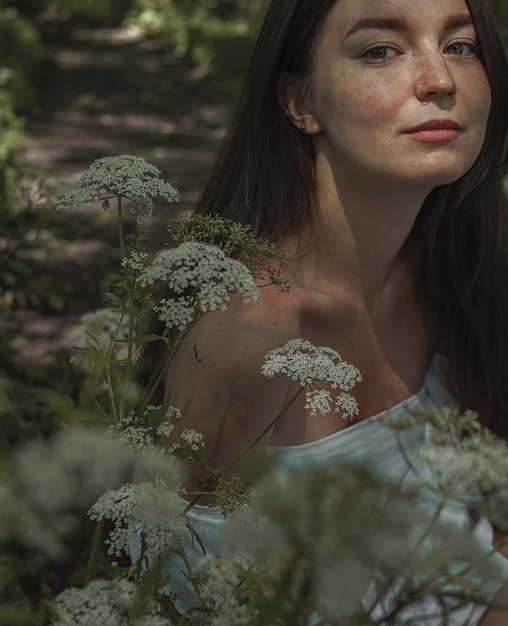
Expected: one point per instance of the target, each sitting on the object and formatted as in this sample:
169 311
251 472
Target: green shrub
20 52
500 8
110 12
216 35
10 135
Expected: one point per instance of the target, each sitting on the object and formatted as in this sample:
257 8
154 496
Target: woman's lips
435 130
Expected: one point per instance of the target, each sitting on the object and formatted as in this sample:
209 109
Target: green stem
112 399
192 575
97 537
121 238
142 554
389 584
196 498
158 375
267 429
130 313
123 402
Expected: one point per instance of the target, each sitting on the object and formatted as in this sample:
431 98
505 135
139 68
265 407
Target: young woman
369 144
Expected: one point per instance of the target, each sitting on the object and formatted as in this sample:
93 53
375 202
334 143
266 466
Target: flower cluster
157 510
136 261
203 279
342 544
101 329
138 435
126 176
111 602
308 365
464 461
40 508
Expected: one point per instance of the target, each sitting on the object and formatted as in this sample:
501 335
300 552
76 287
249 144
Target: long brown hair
264 176
464 230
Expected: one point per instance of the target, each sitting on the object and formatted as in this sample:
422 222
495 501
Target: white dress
368 441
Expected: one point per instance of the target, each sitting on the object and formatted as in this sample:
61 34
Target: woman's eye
379 53
462 48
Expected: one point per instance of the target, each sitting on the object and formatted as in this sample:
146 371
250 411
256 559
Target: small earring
302 126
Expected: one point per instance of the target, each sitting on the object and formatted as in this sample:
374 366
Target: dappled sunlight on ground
106 92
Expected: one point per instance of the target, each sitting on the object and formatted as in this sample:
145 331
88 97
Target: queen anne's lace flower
134 435
126 175
309 365
464 461
166 427
136 260
53 481
156 509
101 329
107 603
193 439
342 540
201 276
140 437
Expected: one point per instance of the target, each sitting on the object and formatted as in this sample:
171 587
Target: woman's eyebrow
397 24
379 23
458 21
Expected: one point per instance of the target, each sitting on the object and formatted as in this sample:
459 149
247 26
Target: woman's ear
292 99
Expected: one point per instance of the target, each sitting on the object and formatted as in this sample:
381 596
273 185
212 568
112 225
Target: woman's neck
360 239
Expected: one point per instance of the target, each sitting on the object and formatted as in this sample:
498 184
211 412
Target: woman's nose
435 81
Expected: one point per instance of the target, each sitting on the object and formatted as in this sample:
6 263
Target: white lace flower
166 427
201 276
156 509
193 439
309 365
126 175
140 437
101 329
136 260
339 539
473 470
107 602
53 480
460 460
134 435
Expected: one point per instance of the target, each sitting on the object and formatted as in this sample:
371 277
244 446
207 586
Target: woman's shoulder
216 378
227 348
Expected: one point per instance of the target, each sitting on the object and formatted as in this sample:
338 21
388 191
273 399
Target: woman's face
398 92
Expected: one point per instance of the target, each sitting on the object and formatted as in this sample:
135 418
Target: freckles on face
384 68
373 97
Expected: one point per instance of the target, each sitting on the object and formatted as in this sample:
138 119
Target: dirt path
106 92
